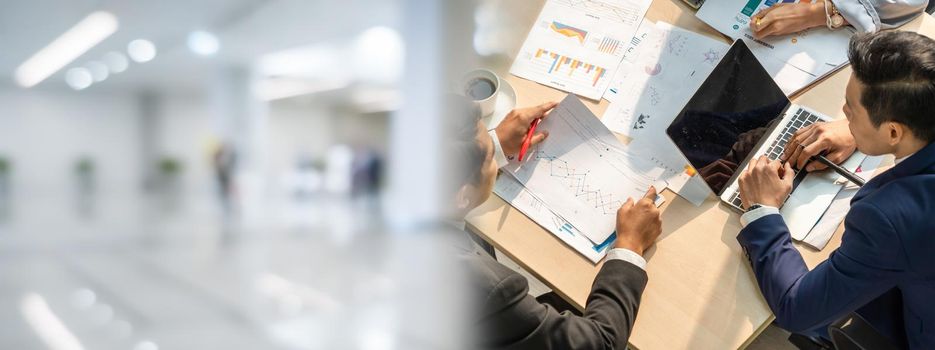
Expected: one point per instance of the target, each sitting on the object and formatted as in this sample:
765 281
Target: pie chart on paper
654 70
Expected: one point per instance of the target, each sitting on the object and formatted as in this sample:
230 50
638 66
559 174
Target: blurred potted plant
84 173
5 175
169 169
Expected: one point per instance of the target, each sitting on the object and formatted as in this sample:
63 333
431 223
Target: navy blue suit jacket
884 269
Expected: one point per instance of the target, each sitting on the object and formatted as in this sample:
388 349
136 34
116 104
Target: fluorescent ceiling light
66 48
146 345
99 70
320 62
141 50
378 56
79 78
116 62
203 43
281 88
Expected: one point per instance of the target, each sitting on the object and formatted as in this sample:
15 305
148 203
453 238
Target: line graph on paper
604 9
582 171
577 182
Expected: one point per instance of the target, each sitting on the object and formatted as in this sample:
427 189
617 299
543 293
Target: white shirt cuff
860 14
757 213
498 155
628 256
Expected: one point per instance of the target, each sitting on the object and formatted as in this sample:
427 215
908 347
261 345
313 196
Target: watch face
837 20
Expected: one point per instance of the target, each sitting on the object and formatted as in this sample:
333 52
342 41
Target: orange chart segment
573 67
569 31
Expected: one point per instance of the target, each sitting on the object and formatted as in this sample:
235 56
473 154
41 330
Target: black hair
463 155
897 70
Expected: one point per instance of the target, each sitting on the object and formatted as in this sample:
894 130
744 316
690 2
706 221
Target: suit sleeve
864 267
608 318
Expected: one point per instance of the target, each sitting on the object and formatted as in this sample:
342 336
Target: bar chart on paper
577 45
579 72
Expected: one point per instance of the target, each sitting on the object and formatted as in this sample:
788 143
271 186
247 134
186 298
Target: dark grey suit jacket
510 318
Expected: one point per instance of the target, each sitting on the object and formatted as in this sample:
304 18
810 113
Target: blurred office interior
224 174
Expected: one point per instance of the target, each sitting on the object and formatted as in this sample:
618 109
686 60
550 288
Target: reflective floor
179 273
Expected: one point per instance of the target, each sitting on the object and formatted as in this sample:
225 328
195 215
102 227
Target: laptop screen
730 113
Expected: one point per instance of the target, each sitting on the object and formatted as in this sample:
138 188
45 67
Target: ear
463 198
896 132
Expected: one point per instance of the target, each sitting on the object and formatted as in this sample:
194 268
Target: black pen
841 171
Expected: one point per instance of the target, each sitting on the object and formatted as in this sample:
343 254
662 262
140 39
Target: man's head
469 167
890 99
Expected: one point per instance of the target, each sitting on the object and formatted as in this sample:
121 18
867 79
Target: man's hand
766 182
638 223
512 130
786 18
833 139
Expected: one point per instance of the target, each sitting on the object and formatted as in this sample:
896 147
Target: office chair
855 333
849 333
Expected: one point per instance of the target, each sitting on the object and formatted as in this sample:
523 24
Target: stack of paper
663 68
574 182
577 45
831 218
512 191
794 61
812 197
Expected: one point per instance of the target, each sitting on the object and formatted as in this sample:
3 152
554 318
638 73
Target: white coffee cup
483 88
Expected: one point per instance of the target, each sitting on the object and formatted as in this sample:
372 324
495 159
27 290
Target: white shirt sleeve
756 214
869 16
498 155
628 256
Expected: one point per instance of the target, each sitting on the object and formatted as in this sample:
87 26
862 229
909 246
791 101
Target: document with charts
630 55
666 70
794 60
512 191
581 170
654 83
576 45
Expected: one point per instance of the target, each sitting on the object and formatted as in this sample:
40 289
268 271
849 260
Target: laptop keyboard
801 119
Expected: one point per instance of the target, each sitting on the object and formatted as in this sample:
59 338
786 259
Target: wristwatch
833 18
753 207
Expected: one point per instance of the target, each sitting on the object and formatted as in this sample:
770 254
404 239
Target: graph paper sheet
508 188
576 45
582 172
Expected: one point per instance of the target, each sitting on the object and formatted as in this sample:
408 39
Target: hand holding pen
519 129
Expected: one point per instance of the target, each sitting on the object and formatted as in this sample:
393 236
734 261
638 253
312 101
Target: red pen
528 139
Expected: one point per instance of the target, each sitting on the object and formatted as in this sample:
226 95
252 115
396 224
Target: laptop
737 115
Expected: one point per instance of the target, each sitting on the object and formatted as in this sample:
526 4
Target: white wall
188 133
311 129
44 133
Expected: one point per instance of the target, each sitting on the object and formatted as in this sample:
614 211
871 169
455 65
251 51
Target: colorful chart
609 45
574 66
569 31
